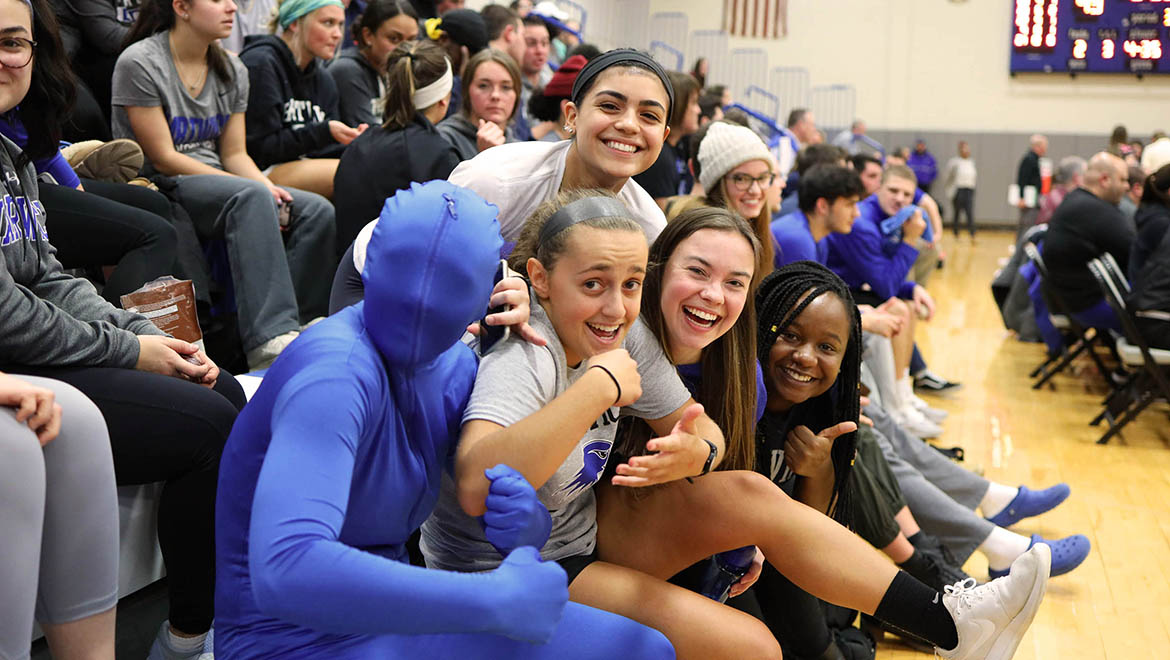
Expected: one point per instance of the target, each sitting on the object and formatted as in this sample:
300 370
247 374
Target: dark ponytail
156 16
782 296
413 64
52 90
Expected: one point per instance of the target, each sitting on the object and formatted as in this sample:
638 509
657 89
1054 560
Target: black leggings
111 224
170 430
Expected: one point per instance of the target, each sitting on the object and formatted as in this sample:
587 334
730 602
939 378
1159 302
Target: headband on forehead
580 211
618 57
291 10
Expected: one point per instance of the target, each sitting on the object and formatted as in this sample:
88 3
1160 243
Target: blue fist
515 516
534 592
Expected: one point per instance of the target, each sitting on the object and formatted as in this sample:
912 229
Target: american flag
766 19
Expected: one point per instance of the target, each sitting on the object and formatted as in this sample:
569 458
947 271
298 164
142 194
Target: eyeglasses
744 182
16 52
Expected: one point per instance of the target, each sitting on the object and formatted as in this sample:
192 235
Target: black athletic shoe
927 380
944 566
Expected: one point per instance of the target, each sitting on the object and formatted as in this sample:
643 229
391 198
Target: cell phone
490 335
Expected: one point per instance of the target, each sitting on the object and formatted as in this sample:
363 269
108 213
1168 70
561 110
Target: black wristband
615 381
710 457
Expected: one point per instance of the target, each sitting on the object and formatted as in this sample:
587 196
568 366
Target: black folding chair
1076 338
1151 379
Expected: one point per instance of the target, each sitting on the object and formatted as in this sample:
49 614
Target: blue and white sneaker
1028 503
1067 553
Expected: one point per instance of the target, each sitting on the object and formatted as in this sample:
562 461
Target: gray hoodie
47 317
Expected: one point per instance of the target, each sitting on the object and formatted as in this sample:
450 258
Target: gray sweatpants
941 495
281 280
59 521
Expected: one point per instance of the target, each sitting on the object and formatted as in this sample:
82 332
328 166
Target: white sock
1001 548
997 498
185 645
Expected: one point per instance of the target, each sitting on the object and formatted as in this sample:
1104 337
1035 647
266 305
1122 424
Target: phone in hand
490 335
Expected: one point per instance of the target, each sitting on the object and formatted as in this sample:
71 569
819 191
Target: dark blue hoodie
288 109
337 458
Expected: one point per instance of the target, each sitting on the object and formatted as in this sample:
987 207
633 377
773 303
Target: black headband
618 57
579 211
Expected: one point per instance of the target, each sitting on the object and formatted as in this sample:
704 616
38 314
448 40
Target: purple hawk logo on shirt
593 460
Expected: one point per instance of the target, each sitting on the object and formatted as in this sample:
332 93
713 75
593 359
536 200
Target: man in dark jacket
1086 225
1027 175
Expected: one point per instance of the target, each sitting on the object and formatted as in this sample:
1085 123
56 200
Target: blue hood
429 269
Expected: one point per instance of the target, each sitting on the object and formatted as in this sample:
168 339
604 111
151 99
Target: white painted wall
934 65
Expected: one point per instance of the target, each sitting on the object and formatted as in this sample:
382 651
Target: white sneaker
906 393
991 619
915 422
263 355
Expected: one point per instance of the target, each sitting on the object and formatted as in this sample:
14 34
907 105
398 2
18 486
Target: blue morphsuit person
337 460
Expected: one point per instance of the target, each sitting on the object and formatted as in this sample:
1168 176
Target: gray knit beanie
726 147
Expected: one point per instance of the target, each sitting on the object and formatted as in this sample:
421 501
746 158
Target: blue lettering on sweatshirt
21 218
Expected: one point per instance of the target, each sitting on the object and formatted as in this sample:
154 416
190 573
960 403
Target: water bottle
724 570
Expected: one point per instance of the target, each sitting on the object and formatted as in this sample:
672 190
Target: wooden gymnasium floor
1115 604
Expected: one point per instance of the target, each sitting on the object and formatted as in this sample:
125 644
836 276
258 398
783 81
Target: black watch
710 457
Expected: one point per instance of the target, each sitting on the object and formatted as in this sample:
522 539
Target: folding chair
1150 381
1078 339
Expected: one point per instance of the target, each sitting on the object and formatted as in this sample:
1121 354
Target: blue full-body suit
337 459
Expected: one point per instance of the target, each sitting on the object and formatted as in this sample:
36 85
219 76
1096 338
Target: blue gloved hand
515 516
535 593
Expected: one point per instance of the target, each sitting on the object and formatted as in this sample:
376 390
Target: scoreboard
1090 36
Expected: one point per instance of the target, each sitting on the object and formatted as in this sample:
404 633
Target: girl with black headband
621 103
550 413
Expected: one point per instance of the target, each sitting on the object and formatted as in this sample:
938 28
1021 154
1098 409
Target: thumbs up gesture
810 455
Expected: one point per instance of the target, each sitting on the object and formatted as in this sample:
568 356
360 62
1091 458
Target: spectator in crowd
1119 142
870 171
1086 225
521 7
1149 263
1069 175
588 51
709 109
505 31
959 180
491 91
293 130
735 169
1129 202
181 97
700 70
360 73
809 157
855 141
1028 176
312 526
799 132
461 33
564 32
1157 152
93 32
924 166
534 67
669 175
548 105
167 406
723 92
404 148
59 512
829 195
1135 152
1151 220
898 156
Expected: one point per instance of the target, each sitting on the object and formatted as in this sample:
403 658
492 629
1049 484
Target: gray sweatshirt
49 318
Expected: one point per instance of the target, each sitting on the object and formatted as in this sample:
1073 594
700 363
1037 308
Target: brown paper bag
170 305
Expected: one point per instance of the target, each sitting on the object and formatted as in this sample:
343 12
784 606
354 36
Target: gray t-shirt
516 380
145 76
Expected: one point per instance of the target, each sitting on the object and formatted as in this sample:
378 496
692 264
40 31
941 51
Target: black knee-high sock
919 610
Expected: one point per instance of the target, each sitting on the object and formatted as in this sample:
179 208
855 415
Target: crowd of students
406 482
